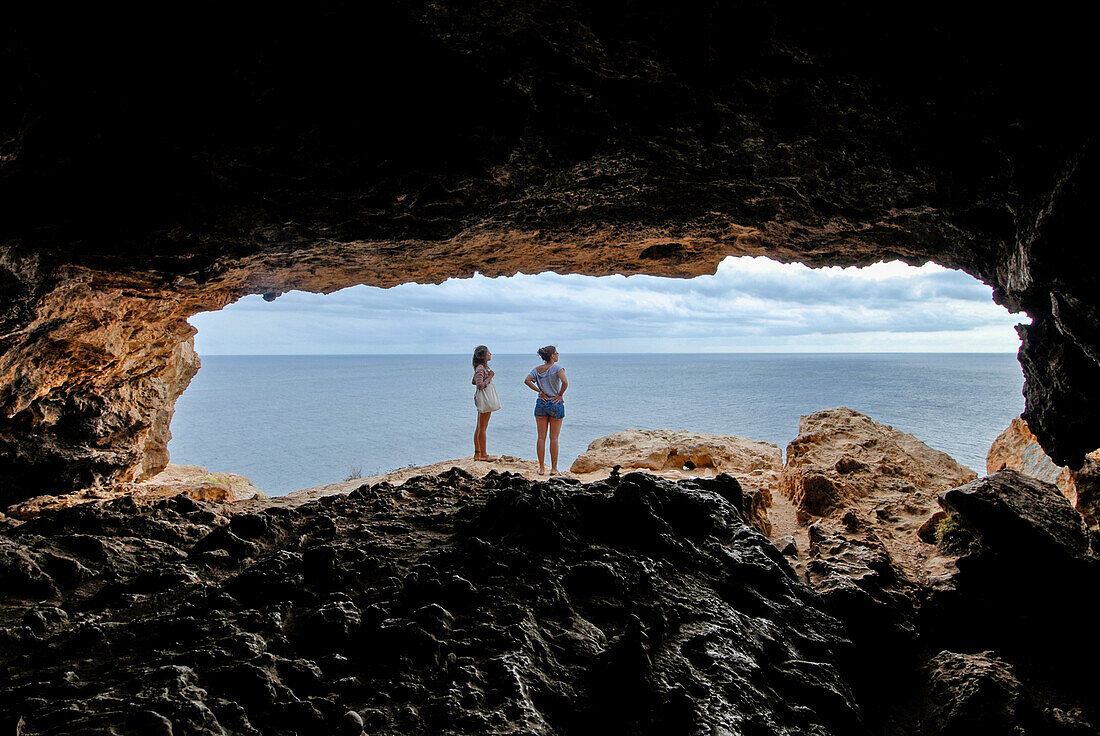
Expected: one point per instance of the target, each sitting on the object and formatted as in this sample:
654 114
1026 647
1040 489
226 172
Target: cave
149 173
146 179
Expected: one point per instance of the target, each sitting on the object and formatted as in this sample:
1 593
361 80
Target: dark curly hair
547 352
479 355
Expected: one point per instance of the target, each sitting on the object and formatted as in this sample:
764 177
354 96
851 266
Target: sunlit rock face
149 177
841 456
1018 449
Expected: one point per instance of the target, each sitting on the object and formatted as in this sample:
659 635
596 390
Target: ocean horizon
657 352
295 421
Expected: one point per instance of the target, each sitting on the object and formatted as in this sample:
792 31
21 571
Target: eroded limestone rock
865 490
89 394
470 605
665 449
755 465
980 693
1018 449
193 481
841 456
1011 510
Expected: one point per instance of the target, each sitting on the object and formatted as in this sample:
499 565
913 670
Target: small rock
351 724
787 546
927 530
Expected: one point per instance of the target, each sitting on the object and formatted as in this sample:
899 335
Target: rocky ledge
193 481
502 605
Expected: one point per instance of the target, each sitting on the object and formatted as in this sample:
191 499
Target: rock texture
448 604
150 176
666 449
841 455
855 495
1086 482
755 465
193 481
1026 561
88 388
1018 449
501 605
980 693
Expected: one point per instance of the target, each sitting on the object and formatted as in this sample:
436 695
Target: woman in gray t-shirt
550 382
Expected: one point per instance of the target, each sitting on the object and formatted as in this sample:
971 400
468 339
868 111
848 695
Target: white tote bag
486 399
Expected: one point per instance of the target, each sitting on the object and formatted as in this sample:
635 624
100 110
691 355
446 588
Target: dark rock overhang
153 173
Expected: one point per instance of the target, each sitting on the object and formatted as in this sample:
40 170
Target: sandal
541 471
555 472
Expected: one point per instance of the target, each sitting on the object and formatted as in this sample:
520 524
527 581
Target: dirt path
784 518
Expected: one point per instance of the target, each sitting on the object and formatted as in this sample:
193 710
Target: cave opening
313 389
158 169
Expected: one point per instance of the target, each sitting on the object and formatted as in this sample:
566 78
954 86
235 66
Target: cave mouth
576 138
314 388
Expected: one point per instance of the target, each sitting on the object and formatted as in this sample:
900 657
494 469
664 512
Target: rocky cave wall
146 176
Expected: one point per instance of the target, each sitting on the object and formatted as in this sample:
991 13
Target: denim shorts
544 408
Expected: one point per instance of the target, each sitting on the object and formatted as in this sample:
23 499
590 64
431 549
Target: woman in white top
550 382
485 399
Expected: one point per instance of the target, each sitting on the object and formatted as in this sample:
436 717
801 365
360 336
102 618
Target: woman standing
550 382
485 398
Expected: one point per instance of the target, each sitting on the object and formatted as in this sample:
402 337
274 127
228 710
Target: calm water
290 422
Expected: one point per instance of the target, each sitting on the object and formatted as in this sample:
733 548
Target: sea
295 421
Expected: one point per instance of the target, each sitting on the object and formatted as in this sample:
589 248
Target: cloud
750 304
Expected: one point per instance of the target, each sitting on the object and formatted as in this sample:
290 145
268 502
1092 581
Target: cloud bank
749 305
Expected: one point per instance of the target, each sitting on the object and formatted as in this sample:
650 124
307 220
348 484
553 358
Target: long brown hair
480 353
547 352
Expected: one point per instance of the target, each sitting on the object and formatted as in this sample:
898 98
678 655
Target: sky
749 305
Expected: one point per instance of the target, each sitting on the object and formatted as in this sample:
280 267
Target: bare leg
477 438
540 446
555 430
482 425
479 435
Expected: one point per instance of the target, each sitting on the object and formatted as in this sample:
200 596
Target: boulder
1086 482
1025 575
677 453
841 455
866 490
1012 511
666 449
200 484
1018 449
980 693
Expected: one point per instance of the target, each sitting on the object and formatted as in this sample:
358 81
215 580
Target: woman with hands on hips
550 382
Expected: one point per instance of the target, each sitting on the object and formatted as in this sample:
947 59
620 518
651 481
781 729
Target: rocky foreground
453 604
